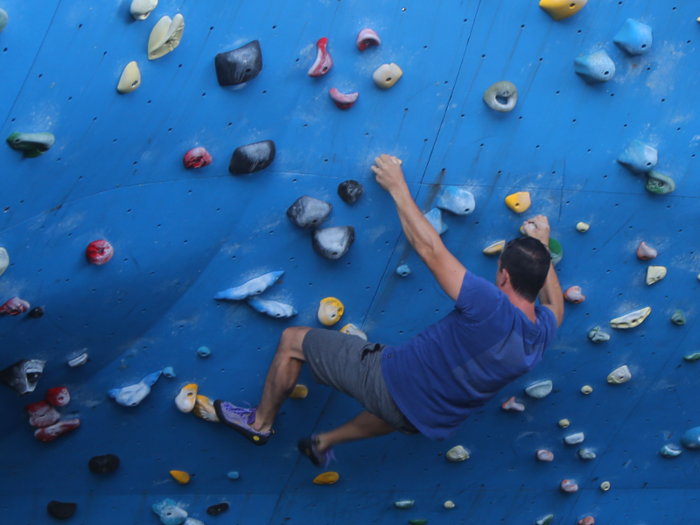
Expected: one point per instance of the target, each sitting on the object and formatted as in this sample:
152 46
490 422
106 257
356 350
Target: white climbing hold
631 319
513 405
540 389
456 200
187 397
252 287
456 454
449 505
568 486
619 375
4 260
271 308
545 455
605 486
574 439
586 389
351 329
582 227
78 360
131 396
140 9
130 79
655 274
165 36
564 423
546 520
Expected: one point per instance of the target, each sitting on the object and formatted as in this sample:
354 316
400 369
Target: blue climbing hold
691 439
233 475
634 37
403 270
271 308
434 217
169 512
203 351
253 287
596 67
169 372
456 200
638 157
130 396
670 451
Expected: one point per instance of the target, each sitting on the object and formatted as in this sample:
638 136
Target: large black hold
36 313
240 65
61 511
350 191
308 212
252 157
104 464
217 509
333 243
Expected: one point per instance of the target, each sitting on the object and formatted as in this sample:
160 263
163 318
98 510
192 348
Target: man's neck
522 304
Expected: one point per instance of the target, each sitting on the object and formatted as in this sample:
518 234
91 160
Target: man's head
524 264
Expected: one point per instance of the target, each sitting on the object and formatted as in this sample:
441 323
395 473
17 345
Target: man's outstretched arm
448 271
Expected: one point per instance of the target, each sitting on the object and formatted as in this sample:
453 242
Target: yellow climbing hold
187 397
587 389
204 408
518 202
449 505
299 392
130 79
330 311
495 248
564 423
351 329
561 9
582 227
327 478
180 476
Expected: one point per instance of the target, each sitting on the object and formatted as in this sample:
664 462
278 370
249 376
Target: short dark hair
527 261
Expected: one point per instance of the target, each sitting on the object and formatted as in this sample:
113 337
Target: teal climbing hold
546 520
638 157
691 439
169 372
403 270
33 144
169 512
434 217
539 390
418 521
692 357
596 335
678 318
203 351
595 68
404 503
670 451
634 37
456 200
3 20
233 475
659 184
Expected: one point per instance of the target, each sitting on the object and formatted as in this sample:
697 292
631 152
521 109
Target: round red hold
99 252
58 396
197 158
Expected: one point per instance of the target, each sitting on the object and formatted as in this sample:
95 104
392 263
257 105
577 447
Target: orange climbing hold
588 520
513 405
574 295
299 392
518 202
561 9
327 478
180 476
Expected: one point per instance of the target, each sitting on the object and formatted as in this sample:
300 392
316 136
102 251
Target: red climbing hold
588 520
58 396
197 158
646 252
574 295
367 38
41 414
324 62
568 486
343 100
14 306
99 252
62 427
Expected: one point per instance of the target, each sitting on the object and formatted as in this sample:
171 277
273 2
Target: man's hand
389 174
538 228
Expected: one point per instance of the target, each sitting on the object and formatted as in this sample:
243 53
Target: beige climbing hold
130 79
561 9
180 476
299 392
574 295
330 310
564 423
456 454
582 227
655 274
204 408
327 478
646 252
495 248
187 397
631 319
351 329
619 375
165 36
449 505
4 260
513 405
587 389
605 486
140 9
518 202
387 75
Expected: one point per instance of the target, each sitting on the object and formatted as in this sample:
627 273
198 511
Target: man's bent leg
364 425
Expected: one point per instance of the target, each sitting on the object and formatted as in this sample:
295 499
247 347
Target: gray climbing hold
634 37
23 376
596 67
169 512
619 375
434 217
350 191
678 318
638 157
169 372
670 451
79 360
33 144
596 335
252 157
574 439
404 503
692 357
203 351
632 319
691 439
253 287
456 200
502 96
659 184
403 270
457 454
272 308
586 453
333 243
240 65
307 212
540 389
3 20
544 455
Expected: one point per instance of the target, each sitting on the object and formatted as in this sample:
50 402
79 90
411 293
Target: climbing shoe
240 419
308 447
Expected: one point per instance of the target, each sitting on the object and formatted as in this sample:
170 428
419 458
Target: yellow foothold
605 486
586 390
387 75
165 36
130 79
449 505
655 274
582 227
495 248
327 478
204 408
518 202
564 423
561 9
187 397
180 476
299 392
330 311
351 329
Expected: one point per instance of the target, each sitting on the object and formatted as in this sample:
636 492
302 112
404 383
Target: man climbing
434 381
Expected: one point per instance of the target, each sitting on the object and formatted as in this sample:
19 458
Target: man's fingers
375 170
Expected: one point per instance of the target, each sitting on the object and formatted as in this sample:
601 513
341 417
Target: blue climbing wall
180 236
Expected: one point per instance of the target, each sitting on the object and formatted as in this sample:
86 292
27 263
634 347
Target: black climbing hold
36 313
350 191
252 157
333 243
103 464
61 510
217 509
240 65
308 212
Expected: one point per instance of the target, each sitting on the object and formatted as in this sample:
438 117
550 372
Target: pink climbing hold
99 252
574 295
58 396
646 252
545 455
513 405
197 158
62 427
41 414
324 62
588 520
14 306
568 486
367 38
343 100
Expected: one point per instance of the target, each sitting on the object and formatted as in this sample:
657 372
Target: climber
433 382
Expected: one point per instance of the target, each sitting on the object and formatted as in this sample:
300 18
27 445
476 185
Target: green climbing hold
596 335
420 521
659 184
3 20
678 318
546 520
556 250
33 144
404 503
692 357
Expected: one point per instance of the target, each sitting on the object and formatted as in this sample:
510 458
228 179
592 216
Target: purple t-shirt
442 375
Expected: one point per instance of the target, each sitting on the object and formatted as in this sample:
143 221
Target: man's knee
292 341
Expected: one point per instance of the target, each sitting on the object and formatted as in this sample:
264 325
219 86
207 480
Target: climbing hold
574 295
169 372
3 20
217 509
60 510
240 65
655 274
50 433
631 319
41 414
692 357
555 250
197 158
619 375
586 389
99 252
367 38
14 307
33 144
23 375
678 318
449 505
252 157
540 389
299 392
582 227
588 520
186 398
330 310
545 455
564 423
350 190
561 9
4 260
418 521
323 62
36 312
546 520
78 360
327 478
502 96
192 521
518 202
596 67
130 396
457 454
691 439
104 464
271 308
574 439
180 476
307 212
456 200
403 270
670 451
513 405
165 36
568 486
387 75
638 157
58 396
634 37
434 217
233 475
586 453
203 351
659 184
605 486
343 100
130 79
333 243
495 248
596 335
169 512
204 408
404 503
646 252
253 287
140 9
351 329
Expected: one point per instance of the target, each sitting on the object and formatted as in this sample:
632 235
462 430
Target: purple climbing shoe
241 419
307 446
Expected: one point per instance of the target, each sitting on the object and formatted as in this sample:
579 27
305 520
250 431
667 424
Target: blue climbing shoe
240 419
307 446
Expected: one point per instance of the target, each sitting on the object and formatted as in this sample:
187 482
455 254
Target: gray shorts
352 365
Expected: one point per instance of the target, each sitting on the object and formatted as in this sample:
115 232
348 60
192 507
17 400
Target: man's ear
503 277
